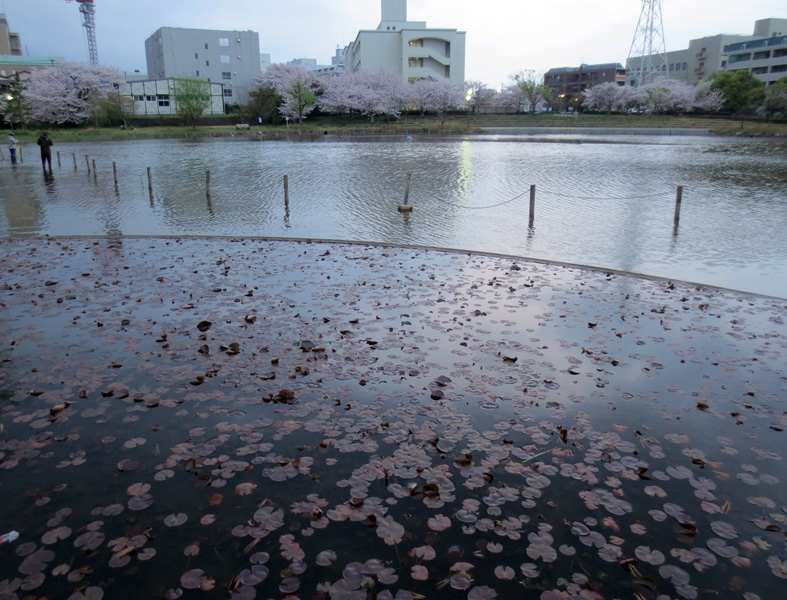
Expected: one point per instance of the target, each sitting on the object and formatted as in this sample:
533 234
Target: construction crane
88 11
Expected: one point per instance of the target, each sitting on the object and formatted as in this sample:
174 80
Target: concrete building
705 57
409 48
310 64
231 58
10 43
12 62
336 67
265 62
765 58
569 82
155 97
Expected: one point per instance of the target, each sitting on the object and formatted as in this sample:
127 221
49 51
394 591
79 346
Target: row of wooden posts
405 207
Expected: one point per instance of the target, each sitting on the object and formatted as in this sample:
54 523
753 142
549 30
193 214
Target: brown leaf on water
464 461
59 408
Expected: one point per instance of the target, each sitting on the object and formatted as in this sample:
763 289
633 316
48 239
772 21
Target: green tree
741 90
299 100
14 106
776 98
114 109
263 103
192 98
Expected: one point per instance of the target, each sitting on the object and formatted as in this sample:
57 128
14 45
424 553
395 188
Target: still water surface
601 201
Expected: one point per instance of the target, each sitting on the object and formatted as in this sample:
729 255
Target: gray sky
502 37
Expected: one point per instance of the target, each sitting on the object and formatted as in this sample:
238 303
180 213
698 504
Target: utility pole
648 54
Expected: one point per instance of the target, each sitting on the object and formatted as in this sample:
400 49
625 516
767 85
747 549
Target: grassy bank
458 124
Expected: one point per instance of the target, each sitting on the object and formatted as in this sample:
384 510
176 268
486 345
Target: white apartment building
408 47
705 57
231 58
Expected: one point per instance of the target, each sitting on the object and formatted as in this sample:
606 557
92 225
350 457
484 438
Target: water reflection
605 204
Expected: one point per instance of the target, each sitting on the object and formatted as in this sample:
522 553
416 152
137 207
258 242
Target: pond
215 418
603 201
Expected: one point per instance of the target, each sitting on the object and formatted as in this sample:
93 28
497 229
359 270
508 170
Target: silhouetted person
12 147
46 144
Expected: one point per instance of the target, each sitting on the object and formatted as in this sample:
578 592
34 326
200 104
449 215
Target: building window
207 63
163 99
150 98
416 43
736 58
206 46
672 67
684 67
225 42
761 55
779 69
228 92
415 62
226 75
780 52
139 98
225 59
196 55
759 71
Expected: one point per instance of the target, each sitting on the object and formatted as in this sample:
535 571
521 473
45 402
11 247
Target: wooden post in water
115 172
74 155
150 185
95 174
87 162
403 208
286 190
678 199
58 159
532 203
21 155
207 183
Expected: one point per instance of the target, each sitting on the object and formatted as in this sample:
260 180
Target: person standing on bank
12 147
46 144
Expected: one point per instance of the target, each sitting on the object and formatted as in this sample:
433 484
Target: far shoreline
453 125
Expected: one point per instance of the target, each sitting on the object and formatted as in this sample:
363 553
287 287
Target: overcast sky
503 37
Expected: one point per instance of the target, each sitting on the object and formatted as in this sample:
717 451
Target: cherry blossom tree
295 85
479 95
668 95
334 98
430 95
70 92
527 91
708 100
776 98
607 96
375 93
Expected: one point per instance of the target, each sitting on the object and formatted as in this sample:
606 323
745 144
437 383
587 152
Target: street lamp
468 98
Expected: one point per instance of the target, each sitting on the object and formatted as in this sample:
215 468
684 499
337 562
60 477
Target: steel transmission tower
648 53
89 23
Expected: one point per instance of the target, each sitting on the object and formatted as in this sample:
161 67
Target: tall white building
408 47
231 58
